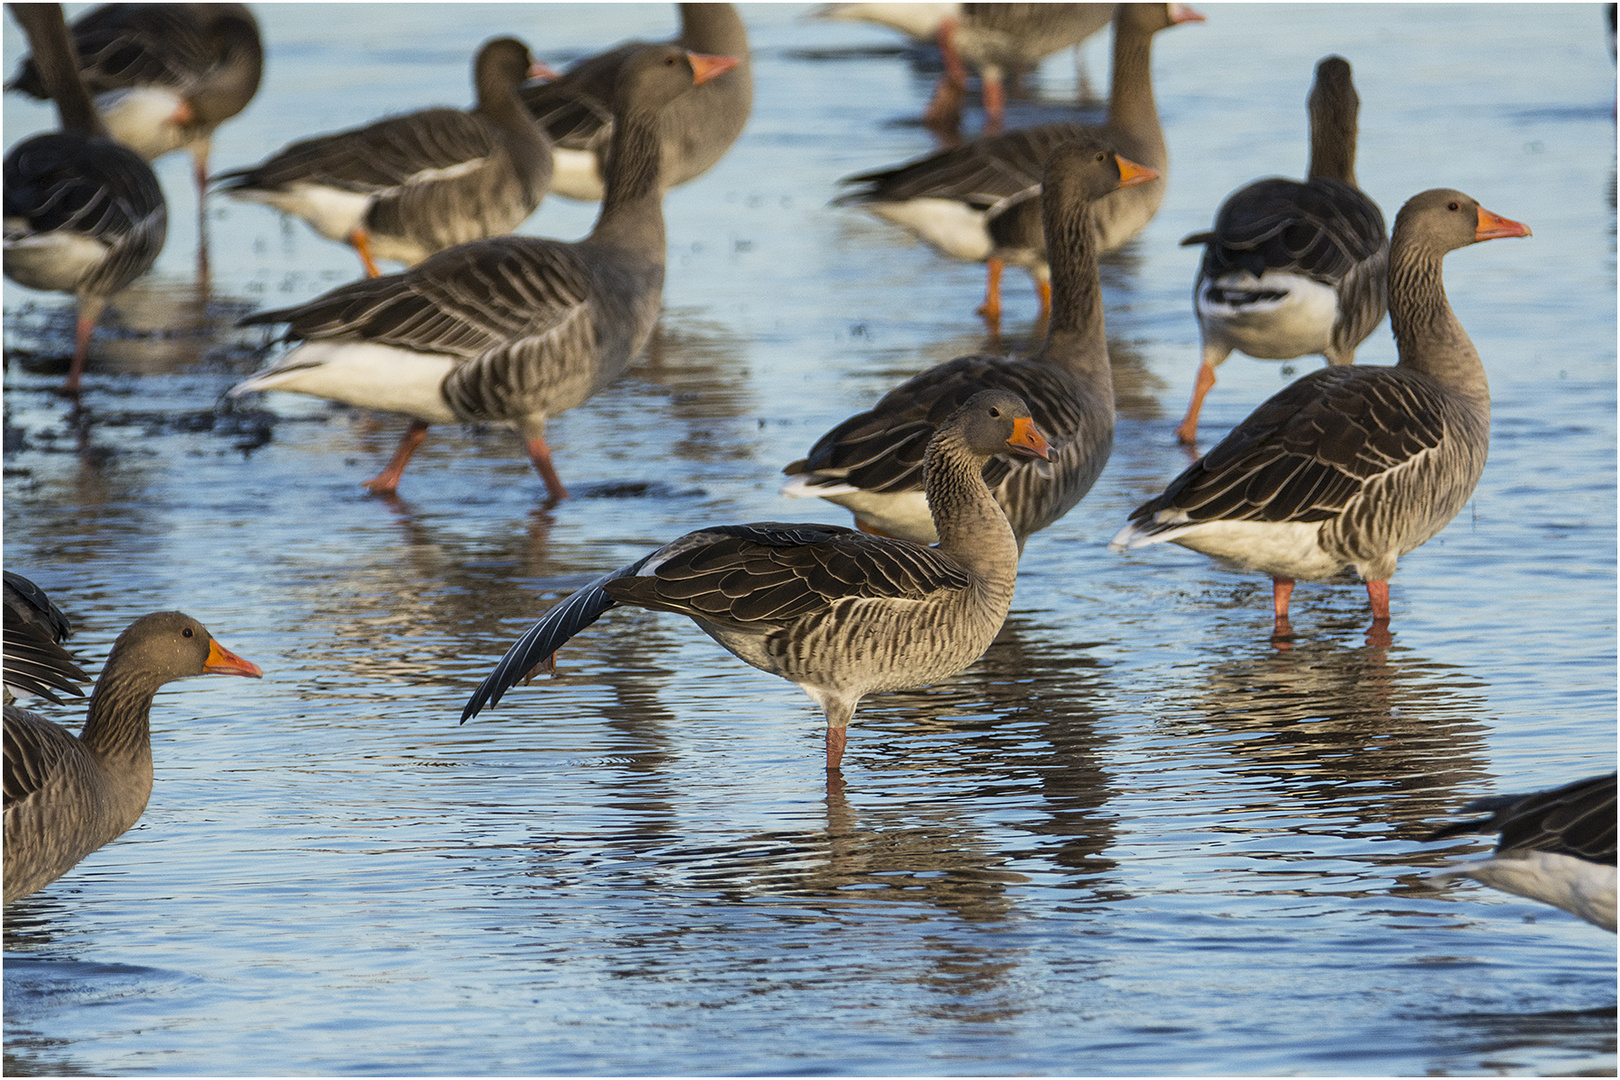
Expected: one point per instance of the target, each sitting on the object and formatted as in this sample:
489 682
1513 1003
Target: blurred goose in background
513 329
408 186
697 130
979 202
35 661
1556 846
840 613
872 463
1350 468
66 796
83 214
1292 269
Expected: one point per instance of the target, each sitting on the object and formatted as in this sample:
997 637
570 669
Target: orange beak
221 661
537 70
1180 13
1027 440
705 67
1492 227
1131 174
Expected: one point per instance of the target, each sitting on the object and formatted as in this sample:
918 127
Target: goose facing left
67 795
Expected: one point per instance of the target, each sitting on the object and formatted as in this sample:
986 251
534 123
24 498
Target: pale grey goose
872 462
65 796
83 214
979 201
512 329
1351 467
408 186
1556 846
35 661
697 130
1294 268
840 613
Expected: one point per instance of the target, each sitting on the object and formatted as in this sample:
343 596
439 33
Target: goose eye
669 61
1452 206
995 411
186 632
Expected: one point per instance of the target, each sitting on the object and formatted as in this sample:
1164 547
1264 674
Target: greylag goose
1289 268
1351 467
696 130
872 462
164 76
978 202
1556 846
83 214
35 661
512 329
840 613
65 796
408 186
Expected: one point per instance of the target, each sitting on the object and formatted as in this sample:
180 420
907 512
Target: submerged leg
1187 430
199 172
540 454
362 243
89 313
387 481
836 737
1378 597
991 308
1281 589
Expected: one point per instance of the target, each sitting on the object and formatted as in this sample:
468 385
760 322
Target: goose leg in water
1378 597
991 308
945 110
541 456
1187 430
836 737
89 313
1281 589
995 101
387 481
362 243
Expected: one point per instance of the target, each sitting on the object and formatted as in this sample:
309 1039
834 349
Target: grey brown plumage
35 661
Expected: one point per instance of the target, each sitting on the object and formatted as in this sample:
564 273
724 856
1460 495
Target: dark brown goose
513 329
980 202
66 796
872 462
840 613
408 186
696 130
35 661
1349 468
83 215
1556 846
1292 269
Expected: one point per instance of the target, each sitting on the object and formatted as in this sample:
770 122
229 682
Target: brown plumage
35 661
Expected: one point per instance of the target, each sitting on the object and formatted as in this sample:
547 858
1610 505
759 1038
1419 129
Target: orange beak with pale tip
1131 174
1180 13
221 661
1027 440
1494 226
705 67
537 70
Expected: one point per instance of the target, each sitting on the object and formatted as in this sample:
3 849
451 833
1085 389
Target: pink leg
991 308
81 350
1187 431
995 103
945 110
1281 589
387 481
541 456
836 737
199 171
1378 597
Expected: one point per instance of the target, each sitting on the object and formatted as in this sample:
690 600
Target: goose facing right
839 612
66 796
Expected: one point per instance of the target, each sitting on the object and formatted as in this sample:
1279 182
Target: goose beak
221 661
1492 226
183 115
1027 440
705 67
537 70
1180 13
1131 174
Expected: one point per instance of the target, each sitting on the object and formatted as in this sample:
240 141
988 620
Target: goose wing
574 109
985 173
66 181
1577 819
125 45
1322 229
35 750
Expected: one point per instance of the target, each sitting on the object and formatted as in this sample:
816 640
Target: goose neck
119 721
972 528
1428 336
632 204
715 29
1075 332
1130 102
1333 145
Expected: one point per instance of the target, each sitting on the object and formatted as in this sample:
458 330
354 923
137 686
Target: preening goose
696 131
35 661
83 214
872 462
1292 269
1556 846
980 202
65 796
1351 467
513 329
840 613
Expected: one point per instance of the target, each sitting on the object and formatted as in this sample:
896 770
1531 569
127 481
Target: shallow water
1135 838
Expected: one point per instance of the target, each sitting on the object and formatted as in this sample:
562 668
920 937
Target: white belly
1296 322
142 118
956 229
1282 549
330 211
574 175
903 514
1579 887
53 261
363 374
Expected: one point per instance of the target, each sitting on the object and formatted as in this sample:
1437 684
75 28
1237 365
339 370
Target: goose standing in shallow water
1351 467
35 661
872 462
513 329
840 613
408 186
1289 268
66 796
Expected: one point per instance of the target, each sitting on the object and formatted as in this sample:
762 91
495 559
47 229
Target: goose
35 661
1350 467
1556 846
872 462
512 329
408 186
66 795
979 202
164 76
83 214
841 613
696 131
1294 268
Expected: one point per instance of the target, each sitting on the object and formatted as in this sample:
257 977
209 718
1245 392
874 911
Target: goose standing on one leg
872 462
1292 269
512 329
840 613
1351 467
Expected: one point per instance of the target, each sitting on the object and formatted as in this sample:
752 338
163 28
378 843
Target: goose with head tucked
1350 468
513 329
35 662
841 613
